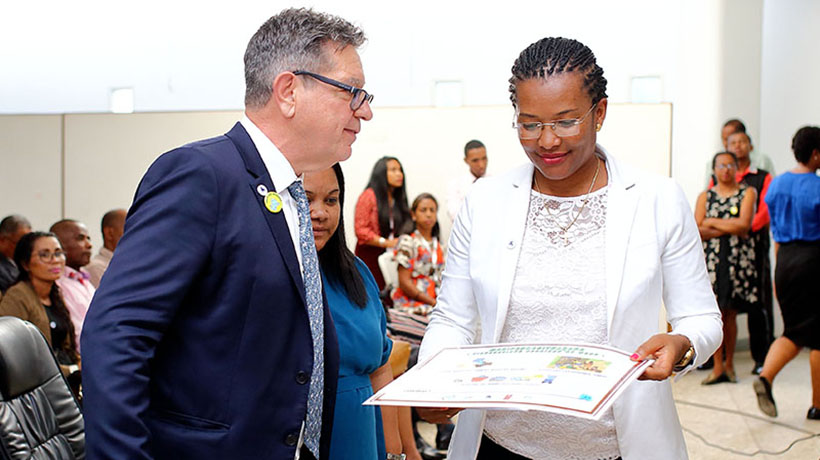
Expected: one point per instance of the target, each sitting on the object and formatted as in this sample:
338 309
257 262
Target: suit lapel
514 219
621 206
259 178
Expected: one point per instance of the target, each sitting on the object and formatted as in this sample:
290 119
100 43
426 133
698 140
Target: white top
562 301
98 265
282 175
457 190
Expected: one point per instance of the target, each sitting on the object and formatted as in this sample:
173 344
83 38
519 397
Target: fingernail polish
634 356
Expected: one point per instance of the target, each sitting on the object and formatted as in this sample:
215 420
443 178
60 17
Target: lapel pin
261 189
273 202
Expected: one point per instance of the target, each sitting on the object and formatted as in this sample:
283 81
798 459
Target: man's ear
284 93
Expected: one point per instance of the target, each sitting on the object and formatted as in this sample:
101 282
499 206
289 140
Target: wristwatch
382 241
396 456
686 359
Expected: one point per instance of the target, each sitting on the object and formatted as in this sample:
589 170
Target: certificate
574 379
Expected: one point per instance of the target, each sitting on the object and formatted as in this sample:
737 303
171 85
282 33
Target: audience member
724 217
534 256
420 259
758 160
12 228
209 337
760 314
112 226
36 298
75 285
475 155
359 318
381 211
794 204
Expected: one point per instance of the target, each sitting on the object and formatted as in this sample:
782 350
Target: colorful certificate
574 379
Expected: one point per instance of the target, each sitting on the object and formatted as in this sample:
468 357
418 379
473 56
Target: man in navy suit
200 340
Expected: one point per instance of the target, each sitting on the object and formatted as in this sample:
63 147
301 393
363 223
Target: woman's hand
667 349
437 414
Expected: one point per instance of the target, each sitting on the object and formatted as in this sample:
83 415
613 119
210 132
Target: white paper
574 379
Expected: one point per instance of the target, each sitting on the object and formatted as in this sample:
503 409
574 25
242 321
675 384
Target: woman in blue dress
364 348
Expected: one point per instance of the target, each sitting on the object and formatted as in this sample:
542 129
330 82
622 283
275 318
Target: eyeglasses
48 256
561 128
726 166
360 96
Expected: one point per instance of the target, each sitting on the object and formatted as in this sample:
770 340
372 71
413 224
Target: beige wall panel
30 174
107 155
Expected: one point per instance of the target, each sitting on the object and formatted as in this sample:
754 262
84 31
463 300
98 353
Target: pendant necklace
564 230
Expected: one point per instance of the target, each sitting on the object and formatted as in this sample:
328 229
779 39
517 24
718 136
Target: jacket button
302 378
291 439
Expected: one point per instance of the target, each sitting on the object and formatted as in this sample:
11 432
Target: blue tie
313 298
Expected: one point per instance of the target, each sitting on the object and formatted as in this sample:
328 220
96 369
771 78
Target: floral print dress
425 260
730 258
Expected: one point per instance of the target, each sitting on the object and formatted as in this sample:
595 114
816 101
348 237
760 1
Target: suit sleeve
168 237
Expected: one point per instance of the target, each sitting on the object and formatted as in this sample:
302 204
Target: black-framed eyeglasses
561 128
360 96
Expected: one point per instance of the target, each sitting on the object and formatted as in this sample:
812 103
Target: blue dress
363 348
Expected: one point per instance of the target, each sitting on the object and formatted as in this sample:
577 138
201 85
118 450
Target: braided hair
553 55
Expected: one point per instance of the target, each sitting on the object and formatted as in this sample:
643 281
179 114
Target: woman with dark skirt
794 206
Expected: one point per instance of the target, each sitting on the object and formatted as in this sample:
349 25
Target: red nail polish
634 356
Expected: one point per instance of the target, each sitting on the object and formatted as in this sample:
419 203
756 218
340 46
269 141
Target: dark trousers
761 317
488 450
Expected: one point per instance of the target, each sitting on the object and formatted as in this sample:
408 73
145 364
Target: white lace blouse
558 294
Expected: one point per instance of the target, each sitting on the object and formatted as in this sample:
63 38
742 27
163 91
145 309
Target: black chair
39 417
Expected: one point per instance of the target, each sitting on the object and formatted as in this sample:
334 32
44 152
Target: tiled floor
722 422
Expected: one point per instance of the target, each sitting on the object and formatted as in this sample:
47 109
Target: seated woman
36 298
364 348
381 212
420 259
724 215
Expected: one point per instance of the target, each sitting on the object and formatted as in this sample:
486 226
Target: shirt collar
79 275
279 168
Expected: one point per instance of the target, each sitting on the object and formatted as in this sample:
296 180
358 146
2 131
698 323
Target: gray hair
292 40
11 224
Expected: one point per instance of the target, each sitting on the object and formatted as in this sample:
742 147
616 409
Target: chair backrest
39 417
389 268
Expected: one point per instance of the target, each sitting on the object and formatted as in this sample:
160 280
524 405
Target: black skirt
796 278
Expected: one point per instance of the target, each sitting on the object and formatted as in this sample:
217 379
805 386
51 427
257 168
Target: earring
598 127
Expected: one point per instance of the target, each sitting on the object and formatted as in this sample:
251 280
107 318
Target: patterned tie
313 297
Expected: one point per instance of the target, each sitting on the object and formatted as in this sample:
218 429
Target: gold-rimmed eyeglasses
561 128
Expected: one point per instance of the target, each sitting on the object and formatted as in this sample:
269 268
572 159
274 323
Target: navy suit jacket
197 343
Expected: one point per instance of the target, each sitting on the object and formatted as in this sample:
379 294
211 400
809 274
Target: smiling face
322 190
323 113
395 176
564 160
424 214
43 264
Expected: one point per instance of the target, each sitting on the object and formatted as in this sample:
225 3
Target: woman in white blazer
574 247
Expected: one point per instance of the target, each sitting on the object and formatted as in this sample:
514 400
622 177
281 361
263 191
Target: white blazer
653 256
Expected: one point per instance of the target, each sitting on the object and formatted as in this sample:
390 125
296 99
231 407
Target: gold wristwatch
686 359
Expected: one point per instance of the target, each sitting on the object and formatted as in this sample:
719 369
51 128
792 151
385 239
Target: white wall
790 75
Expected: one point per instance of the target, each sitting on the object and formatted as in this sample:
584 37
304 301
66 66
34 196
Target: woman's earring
598 127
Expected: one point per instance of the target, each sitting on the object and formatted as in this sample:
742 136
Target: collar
79 275
279 168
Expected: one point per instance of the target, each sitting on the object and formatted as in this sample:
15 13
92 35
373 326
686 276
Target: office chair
39 417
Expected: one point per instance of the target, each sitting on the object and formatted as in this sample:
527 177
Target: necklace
554 219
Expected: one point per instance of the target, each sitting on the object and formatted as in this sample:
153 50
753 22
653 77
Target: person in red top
381 212
761 319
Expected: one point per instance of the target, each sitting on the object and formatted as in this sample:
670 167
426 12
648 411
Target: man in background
758 160
112 226
12 228
75 285
209 338
475 155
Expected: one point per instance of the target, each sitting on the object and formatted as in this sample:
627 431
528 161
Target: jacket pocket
188 421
